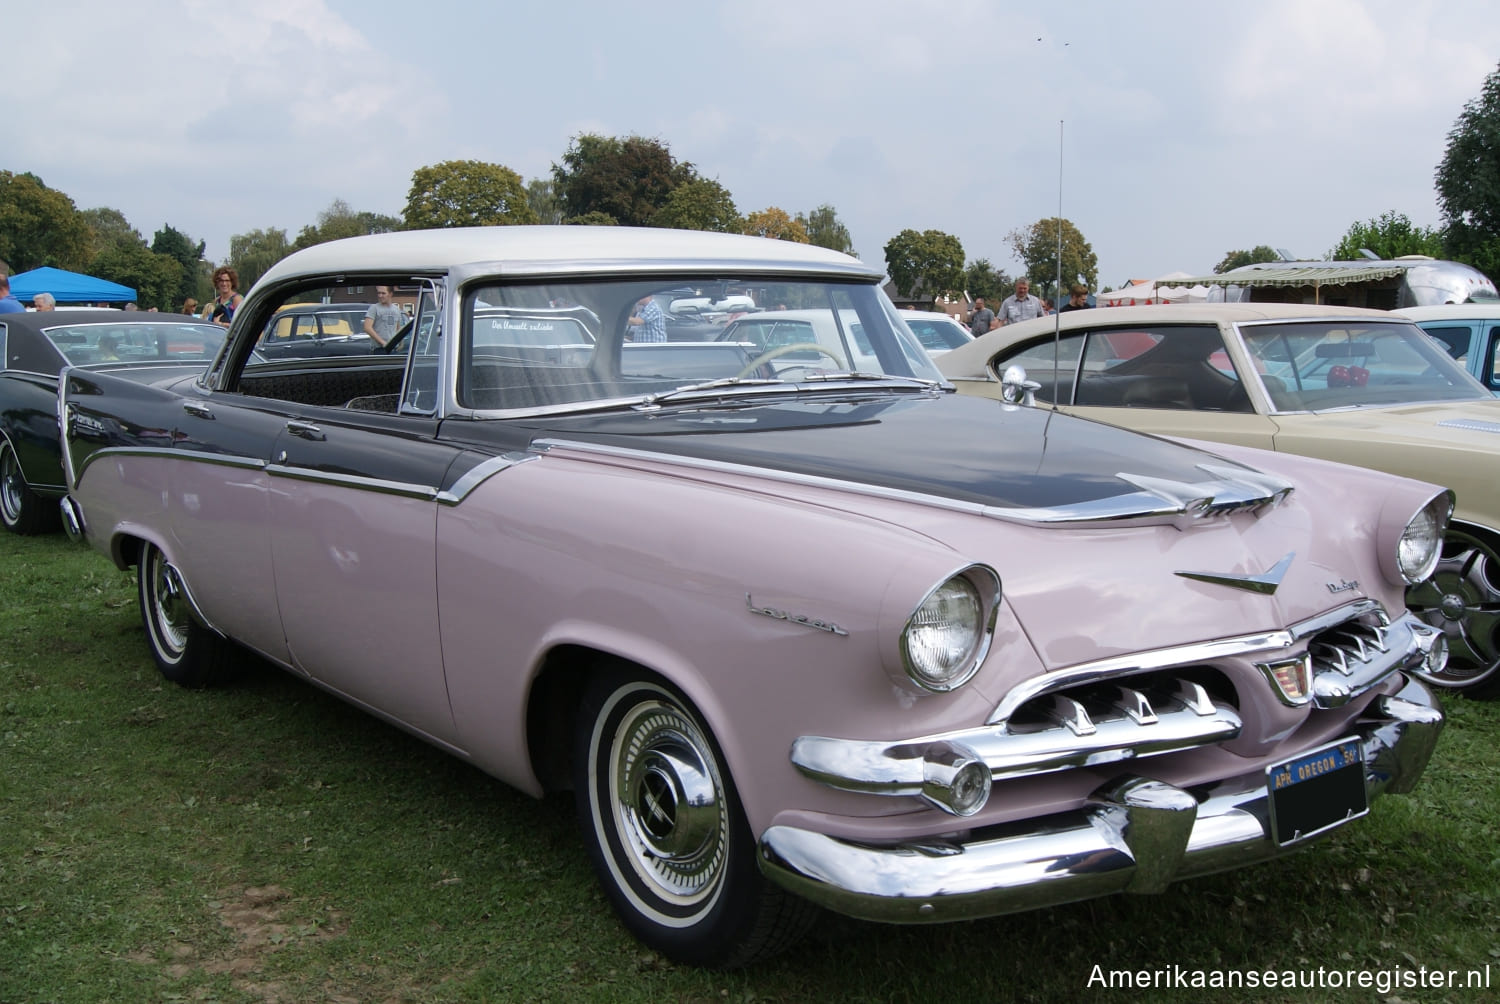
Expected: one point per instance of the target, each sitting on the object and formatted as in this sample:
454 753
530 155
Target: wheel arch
557 691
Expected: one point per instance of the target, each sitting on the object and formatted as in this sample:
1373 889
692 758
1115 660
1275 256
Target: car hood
1475 423
1004 456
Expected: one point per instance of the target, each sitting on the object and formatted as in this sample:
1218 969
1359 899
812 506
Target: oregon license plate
1317 791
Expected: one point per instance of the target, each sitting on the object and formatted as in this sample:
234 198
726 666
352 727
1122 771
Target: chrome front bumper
1135 835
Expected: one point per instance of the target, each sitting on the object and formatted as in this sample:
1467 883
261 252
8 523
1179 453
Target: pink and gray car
797 624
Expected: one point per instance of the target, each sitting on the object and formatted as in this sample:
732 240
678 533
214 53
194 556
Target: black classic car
794 622
142 345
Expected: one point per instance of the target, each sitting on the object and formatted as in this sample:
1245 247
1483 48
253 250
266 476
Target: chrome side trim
482 473
379 485
1132 835
1471 424
1156 506
451 497
1180 655
222 459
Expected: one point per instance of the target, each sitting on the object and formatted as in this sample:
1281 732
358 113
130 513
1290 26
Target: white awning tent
1153 291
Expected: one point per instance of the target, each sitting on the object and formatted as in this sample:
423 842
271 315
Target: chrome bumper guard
72 518
1134 835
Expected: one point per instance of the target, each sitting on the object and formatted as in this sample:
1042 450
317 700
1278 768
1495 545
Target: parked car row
797 624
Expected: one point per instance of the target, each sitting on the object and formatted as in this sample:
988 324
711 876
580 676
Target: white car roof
1455 311
557 247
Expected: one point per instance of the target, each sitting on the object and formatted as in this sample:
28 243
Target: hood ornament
1266 582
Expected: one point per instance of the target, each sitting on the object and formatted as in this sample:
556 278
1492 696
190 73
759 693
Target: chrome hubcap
11 485
170 606
672 816
1462 599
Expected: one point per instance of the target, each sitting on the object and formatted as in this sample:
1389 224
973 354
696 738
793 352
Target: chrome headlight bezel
938 666
1420 545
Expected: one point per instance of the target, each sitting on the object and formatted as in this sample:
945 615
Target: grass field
265 842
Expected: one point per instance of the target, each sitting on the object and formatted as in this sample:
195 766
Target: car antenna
1057 289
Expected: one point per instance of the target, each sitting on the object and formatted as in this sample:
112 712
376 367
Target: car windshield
580 344
136 342
938 335
1313 366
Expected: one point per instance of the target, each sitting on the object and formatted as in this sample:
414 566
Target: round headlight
1421 542
946 637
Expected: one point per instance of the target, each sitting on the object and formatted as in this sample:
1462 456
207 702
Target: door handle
198 409
306 430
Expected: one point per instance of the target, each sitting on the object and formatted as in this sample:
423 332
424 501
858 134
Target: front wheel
1462 599
186 652
665 830
22 510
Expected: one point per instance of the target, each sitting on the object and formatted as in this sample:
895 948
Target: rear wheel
665 830
186 652
1462 599
22 510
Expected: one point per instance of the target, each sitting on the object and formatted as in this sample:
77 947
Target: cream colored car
1362 387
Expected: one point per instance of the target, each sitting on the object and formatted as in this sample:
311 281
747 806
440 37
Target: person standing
981 318
1078 298
226 299
190 306
385 317
648 324
8 303
44 301
1020 305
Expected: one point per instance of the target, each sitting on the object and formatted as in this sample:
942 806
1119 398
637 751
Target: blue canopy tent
68 287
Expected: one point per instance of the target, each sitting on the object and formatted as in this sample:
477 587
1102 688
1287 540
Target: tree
1389 235
1468 182
1239 259
189 255
628 179
252 255
593 220
1037 246
930 262
466 193
542 202
983 279
826 230
700 204
339 221
40 226
110 228
156 278
775 223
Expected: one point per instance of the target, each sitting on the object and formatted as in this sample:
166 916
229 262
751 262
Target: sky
1170 133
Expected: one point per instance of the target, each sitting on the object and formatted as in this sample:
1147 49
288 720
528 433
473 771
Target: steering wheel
390 347
782 350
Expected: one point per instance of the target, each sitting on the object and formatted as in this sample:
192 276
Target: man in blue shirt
8 303
648 324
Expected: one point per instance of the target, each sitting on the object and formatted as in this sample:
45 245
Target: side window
1176 366
1454 339
423 342
1054 366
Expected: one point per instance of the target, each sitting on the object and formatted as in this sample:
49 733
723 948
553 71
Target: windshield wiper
821 376
651 400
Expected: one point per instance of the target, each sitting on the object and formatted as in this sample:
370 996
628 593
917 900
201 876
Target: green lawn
265 842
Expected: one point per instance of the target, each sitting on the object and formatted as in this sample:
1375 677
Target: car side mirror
1016 389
